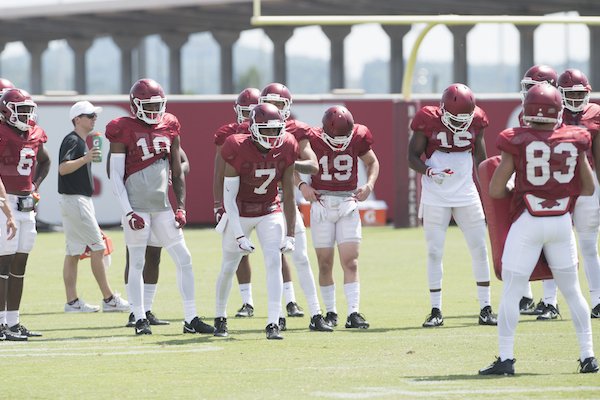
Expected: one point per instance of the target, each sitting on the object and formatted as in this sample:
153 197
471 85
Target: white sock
149 293
436 299
484 294
550 291
528 292
2 317
514 285
288 292
594 297
135 286
328 294
246 293
129 298
352 291
12 318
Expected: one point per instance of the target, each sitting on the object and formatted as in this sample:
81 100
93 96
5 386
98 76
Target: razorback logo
549 203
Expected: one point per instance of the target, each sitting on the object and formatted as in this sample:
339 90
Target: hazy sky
487 43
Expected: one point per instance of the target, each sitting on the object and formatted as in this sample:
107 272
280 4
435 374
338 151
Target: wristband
300 184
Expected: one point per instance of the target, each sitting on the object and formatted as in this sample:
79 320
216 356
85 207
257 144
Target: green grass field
93 356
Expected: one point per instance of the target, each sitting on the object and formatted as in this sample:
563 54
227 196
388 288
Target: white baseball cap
83 107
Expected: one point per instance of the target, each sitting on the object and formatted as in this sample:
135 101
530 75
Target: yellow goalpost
430 22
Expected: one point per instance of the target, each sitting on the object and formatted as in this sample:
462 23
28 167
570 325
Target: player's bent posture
23 166
145 150
334 215
551 170
575 90
246 100
255 163
451 137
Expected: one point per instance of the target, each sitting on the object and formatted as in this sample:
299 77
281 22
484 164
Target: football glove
218 211
245 245
438 174
180 220
288 245
135 221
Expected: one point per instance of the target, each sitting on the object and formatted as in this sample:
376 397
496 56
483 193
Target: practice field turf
93 356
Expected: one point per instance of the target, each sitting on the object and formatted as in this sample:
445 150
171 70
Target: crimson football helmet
18 109
543 104
277 94
245 101
267 116
5 84
458 106
338 127
538 74
147 101
575 89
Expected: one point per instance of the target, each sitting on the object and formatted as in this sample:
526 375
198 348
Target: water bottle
97 144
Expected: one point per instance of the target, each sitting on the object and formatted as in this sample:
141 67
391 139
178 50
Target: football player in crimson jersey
451 138
24 163
575 91
334 194
551 170
145 151
255 164
280 96
547 307
247 99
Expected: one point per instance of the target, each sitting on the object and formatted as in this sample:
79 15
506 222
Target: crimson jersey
338 170
259 172
224 132
18 155
545 162
144 143
589 118
298 129
428 120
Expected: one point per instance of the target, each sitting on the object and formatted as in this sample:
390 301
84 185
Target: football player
255 164
5 84
145 151
547 308
551 170
280 96
451 138
24 165
245 101
575 91
334 215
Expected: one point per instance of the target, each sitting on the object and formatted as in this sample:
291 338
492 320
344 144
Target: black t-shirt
80 181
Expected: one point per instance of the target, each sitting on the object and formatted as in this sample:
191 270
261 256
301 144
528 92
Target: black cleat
282 324
272 331
131 321
506 367
550 313
155 321
294 310
331 318
487 317
526 306
221 327
7 334
318 323
20 329
197 326
596 311
539 308
246 311
589 365
142 327
434 319
356 320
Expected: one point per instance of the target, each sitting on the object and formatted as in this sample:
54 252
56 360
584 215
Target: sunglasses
90 116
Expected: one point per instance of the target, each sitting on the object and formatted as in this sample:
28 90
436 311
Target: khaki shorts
80 225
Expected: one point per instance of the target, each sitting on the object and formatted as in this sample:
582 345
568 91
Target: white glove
288 245
438 174
510 185
245 245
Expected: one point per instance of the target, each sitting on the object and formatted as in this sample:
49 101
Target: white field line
23 350
366 393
